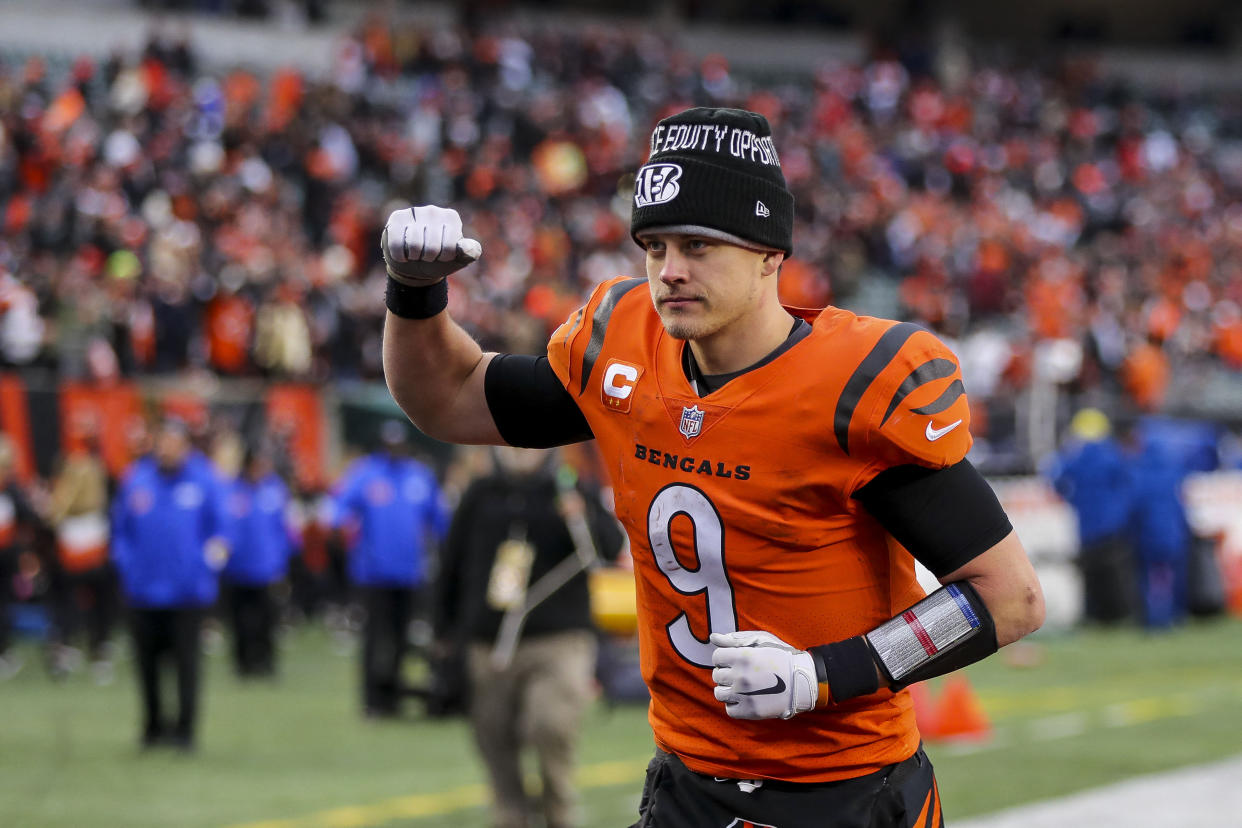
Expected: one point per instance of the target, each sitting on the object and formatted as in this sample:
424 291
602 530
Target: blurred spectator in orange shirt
229 324
1145 375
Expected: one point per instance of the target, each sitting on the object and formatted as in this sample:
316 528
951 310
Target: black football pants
903 795
253 620
8 567
384 646
161 634
87 600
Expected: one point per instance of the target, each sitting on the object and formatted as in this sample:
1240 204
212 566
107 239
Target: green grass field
1096 708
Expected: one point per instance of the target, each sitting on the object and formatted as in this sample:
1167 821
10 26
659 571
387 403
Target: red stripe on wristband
919 632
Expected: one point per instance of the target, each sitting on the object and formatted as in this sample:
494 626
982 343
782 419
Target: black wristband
416 302
847 667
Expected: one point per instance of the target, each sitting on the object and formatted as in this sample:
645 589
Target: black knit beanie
715 168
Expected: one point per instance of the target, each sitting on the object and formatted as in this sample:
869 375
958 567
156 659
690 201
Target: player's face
701 286
171 447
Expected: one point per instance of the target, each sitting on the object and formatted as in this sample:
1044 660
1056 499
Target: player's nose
674 267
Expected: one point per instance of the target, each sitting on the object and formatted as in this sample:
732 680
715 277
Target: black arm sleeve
944 517
529 405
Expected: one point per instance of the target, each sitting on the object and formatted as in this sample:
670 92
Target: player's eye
654 246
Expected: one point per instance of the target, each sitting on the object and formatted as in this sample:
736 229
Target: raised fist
422 245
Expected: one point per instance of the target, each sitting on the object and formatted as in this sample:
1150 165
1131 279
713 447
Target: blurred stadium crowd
162 218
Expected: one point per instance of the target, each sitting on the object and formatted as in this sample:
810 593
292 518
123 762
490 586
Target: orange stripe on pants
921 819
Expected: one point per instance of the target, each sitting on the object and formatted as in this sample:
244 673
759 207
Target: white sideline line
1202 796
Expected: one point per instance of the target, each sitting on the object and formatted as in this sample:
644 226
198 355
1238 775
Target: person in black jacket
513 585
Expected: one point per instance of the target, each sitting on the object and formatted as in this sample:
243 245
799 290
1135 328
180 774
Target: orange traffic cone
959 715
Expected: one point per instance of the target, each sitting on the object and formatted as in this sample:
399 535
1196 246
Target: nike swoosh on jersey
779 687
934 434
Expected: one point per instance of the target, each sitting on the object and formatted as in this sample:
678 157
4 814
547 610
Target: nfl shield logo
691 421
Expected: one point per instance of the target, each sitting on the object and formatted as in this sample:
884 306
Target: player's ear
772 262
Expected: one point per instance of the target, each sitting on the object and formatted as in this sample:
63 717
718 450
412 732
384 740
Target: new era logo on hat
762 210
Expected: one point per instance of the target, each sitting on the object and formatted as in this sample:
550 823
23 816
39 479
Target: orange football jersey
739 512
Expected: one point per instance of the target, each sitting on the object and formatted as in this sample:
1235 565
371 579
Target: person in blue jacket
260 544
168 545
392 506
1160 532
1091 473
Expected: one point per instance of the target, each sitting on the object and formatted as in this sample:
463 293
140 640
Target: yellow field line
1067 698
1127 713
599 775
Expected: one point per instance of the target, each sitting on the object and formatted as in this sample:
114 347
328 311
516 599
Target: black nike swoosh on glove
779 687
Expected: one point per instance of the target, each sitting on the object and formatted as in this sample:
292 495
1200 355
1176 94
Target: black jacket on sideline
489 511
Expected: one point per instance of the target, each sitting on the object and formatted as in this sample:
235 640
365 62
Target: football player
778 471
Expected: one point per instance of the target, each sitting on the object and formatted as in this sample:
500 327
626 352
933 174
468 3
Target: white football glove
758 676
422 245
